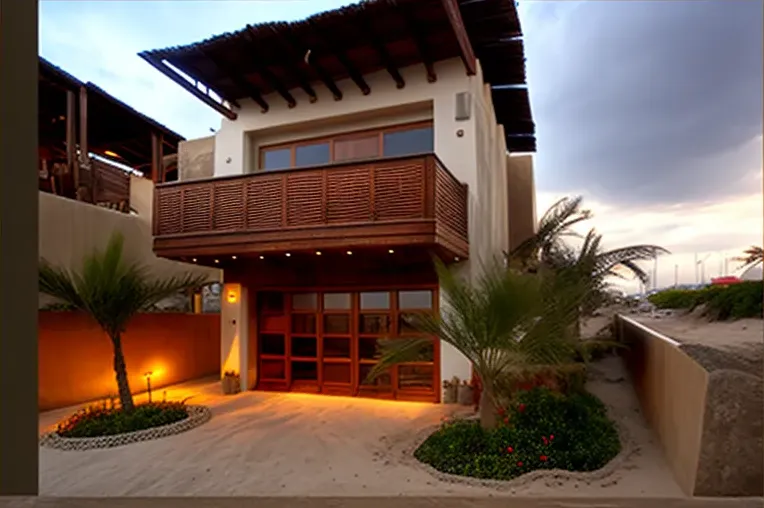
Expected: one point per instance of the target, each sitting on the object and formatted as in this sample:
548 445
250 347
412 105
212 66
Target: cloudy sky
650 110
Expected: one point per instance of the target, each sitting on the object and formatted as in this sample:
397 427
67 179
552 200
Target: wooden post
71 140
83 123
84 190
157 160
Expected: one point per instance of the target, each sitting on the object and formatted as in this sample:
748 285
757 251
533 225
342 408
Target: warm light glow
350 253
318 253
391 251
262 257
148 374
233 257
456 258
287 254
110 153
232 297
216 261
232 361
194 260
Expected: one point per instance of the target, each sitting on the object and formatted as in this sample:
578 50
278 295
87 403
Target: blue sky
651 110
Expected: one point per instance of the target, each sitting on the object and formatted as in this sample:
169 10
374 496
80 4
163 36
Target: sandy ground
267 444
737 345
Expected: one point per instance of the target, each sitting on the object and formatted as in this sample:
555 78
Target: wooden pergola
79 118
353 41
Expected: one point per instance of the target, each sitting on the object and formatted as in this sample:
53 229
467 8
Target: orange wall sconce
232 296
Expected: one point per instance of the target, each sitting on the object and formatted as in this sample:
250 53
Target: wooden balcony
404 201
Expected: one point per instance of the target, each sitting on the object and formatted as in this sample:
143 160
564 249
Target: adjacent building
354 146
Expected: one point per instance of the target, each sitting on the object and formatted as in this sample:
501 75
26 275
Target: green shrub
677 298
736 301
542 430
100 420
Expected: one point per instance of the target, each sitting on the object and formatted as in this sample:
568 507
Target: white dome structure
752 273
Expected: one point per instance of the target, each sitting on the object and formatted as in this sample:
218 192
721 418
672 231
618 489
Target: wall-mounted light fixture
463 109
232 296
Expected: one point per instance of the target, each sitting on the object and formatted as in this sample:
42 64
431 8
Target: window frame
379 132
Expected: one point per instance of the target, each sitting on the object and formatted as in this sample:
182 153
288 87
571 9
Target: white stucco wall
477 157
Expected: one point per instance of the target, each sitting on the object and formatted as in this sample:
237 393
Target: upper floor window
388 142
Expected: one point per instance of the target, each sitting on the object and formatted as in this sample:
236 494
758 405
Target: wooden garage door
327 342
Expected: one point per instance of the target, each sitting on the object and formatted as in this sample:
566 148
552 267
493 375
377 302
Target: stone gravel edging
197 415
628 448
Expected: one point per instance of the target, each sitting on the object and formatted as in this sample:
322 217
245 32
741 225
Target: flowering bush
108 419
543 429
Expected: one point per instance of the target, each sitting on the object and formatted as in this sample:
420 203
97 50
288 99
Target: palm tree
547 248
112 291
753 256
503 323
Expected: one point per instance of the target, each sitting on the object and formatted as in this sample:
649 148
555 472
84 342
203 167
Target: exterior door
328 341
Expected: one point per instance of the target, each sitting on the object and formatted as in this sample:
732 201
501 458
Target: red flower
506 421
501 411
551 438
521 407
520 464
510 449
545 440
543 458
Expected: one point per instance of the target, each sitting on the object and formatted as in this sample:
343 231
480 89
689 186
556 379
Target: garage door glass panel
415 300
337 301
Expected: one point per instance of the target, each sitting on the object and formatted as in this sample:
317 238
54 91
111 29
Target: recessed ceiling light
456 258
216 261
262 257
350 253
233 257
287 254
318 253
391 251
194 260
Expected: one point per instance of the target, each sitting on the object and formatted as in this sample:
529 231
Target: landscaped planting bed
101 426
541 430
101 420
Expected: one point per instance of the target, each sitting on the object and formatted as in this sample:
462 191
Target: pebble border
628 448
197 415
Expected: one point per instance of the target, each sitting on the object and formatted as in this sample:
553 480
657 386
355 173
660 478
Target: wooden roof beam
340 55
240 81
299 52
167 71
419 42
288 47
457 25
366 31
268 75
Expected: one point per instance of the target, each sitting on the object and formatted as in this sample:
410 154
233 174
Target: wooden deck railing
359 193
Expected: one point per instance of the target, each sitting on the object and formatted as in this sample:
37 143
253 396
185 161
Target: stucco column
234 334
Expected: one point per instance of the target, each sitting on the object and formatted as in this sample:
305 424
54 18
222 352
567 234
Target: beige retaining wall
709 422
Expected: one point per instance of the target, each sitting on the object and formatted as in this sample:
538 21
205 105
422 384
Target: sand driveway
265 444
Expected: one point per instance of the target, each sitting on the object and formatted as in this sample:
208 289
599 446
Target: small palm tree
753 256
547 248
112 291
503 323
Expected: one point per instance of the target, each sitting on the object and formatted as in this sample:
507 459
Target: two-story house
354 146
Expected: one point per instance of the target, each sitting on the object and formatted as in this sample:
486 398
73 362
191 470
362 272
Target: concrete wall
142 196
196 158
709 423
76 358
521 189
473 149
70 229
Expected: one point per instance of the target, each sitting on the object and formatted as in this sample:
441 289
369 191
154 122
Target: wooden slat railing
381 191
